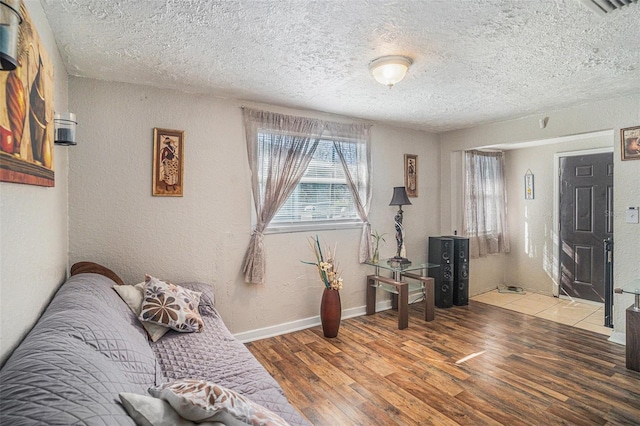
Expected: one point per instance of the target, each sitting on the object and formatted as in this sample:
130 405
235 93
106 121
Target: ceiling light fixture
389 70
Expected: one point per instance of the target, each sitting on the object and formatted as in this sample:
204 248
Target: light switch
632 214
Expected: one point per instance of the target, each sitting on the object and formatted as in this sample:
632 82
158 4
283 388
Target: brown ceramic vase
330 312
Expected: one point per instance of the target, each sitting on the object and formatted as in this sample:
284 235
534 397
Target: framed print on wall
411 174
168 162
528 185
26 111
630 140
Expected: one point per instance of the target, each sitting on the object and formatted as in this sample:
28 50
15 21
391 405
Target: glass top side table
632 288
397 268
632 325
399 287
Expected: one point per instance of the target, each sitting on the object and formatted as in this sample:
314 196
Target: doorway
585 222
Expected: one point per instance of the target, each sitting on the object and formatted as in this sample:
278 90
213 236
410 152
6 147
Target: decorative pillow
207 304
149 411
171 306
133 296
94 268
201 400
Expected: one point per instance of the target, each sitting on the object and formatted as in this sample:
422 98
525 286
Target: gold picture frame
168 162
630 143
411 174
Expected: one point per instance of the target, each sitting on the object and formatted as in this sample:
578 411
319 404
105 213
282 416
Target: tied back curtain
485 203
358 179
293 140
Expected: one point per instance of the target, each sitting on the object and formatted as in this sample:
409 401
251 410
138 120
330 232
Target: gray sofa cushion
87 347
217 356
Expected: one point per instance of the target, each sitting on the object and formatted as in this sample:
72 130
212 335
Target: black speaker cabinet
441 253
460 270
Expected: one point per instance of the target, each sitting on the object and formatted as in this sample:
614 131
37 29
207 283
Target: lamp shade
400 197
389 70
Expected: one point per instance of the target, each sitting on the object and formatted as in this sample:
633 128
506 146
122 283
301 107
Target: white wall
114 219
33 224
202 236
586 118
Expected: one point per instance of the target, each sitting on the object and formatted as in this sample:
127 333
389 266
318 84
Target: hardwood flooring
473 365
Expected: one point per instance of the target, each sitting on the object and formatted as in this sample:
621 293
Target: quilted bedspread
88 347
214 354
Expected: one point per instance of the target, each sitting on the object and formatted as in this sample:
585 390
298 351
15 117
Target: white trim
585 152
550 141
556 203
456 159
311 226
289 327
619 338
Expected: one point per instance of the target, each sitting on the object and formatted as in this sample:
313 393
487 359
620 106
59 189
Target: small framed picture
528 185
630 140
168 162
411 174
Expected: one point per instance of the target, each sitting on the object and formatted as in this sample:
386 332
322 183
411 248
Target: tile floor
577 314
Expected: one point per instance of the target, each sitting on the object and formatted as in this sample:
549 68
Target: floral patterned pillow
133 295
201 400
171 306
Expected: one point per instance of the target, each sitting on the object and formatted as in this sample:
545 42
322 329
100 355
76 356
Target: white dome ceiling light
389 70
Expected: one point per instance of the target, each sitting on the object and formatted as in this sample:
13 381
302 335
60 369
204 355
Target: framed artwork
630 140
411 174
528 185
26 112
168 162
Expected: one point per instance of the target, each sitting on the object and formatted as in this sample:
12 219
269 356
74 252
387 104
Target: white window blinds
322 195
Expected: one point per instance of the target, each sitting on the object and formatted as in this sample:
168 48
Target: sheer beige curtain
485 203
358 178
289 148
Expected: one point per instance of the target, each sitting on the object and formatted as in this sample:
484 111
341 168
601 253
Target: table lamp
399 199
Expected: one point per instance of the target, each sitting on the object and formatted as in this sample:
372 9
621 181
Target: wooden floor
473 365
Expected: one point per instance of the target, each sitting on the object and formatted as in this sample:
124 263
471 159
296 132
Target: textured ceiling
474 61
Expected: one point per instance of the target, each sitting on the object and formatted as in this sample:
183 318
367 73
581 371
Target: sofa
89 347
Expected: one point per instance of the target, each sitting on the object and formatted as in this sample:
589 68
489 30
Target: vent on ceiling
602 7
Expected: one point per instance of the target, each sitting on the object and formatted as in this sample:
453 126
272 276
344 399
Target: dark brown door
586 203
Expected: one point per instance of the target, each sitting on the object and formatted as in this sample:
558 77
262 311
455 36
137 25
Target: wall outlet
632 215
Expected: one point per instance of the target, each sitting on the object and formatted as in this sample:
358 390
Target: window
322 198
485 203
295 176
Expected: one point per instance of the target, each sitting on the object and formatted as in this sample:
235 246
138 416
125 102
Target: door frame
556 206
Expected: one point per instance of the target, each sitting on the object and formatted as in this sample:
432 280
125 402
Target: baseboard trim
619 338
289 327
